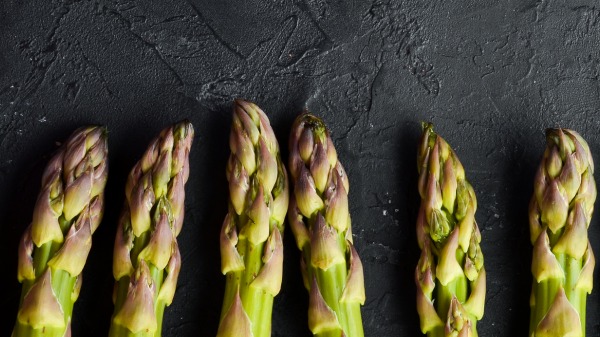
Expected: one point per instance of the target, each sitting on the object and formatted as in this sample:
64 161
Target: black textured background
491 75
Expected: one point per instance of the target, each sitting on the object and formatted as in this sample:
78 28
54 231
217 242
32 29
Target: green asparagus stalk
54 248
251 236
320 220
559 216
450 276
146 258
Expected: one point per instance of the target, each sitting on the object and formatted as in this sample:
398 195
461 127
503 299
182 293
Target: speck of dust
385 212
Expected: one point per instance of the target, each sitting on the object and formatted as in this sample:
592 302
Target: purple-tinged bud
430 319
267 132
581 155
186 170
161 174
96 210
458 323
40 307
53 170
422 228
587 193
540 184
556 138
331 152
320 316
297 225
281 195
553 163
459 170
239 185
176 196
242 147
474 252
439 227
76 291
167 289
150 156
585 281
83 166
25 267
554 207
424 146
166 140
448 268
45 226
122 265
98 153
307 199
93 136
569 178
179 157
246 123
465 229
336 204
449 185
561 319
295 162
230 257
306 145
535 227
258 225
74 154
324 246
424 176
476 302
434 160
142 200
271 274
99 178
573 241
354 291
71 257
77 195
433 198
267 166
470 270
134 177
445 150
348 236
341 175
236 322
545 265
160 247
137 312
320 167
424 274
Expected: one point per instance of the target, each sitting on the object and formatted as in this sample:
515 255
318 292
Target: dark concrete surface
491 76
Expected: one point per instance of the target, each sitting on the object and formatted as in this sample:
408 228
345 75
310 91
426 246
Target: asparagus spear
251 236
146 258
450 275
54 248
559 215
320 220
